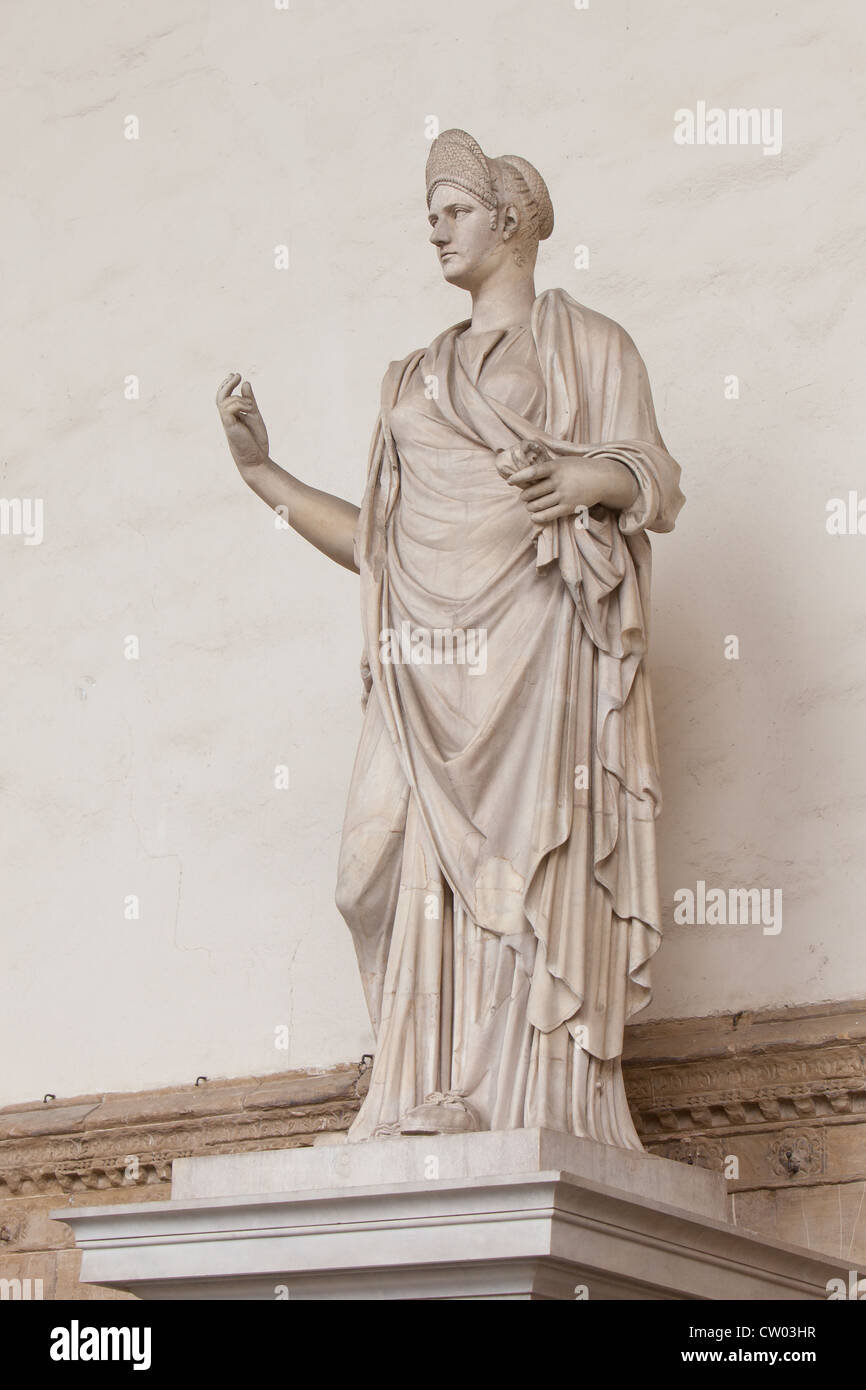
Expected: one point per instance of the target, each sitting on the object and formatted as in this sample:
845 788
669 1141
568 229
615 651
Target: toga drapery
497 868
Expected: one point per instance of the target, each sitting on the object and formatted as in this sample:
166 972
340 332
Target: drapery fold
533 786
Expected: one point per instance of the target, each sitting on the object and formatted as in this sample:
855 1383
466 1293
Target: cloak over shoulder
531 791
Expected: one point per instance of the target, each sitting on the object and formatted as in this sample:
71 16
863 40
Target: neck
503 301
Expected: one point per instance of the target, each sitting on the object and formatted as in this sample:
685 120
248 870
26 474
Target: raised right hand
242 421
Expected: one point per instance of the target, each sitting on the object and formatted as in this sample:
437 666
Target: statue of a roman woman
498 866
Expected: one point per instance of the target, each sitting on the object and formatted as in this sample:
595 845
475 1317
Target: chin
453 274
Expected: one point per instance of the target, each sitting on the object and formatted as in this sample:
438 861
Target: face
469 249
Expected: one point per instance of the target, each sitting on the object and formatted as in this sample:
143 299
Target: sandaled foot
442 1113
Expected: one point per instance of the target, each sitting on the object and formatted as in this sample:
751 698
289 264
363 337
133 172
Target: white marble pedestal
525 1214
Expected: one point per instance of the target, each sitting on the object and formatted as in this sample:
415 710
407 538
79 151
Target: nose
439 235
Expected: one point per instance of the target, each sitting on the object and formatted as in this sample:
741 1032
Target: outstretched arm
327 522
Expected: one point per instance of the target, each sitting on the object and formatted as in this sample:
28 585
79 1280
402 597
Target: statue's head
483 212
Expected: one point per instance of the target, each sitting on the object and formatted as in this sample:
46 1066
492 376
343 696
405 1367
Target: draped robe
497 868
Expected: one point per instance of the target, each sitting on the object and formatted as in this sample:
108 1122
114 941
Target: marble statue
498 867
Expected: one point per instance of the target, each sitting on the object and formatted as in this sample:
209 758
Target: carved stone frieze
798 1064
131 1141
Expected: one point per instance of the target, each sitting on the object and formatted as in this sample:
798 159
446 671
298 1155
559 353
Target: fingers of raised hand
236 407
226 386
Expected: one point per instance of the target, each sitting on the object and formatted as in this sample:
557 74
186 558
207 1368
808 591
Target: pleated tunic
498 868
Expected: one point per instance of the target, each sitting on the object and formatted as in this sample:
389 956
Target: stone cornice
749 1030
748 1070
94 1142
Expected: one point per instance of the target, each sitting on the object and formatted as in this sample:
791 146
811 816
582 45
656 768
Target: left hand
554 487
